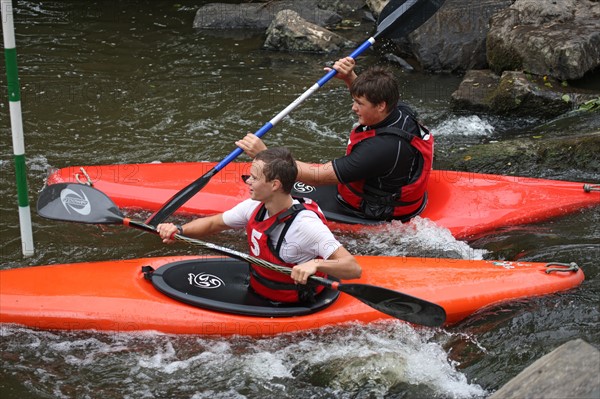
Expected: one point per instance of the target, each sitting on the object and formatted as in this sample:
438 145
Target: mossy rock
527 157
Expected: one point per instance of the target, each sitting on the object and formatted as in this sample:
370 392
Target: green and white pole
16 123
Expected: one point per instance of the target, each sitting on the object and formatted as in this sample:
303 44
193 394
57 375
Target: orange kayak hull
115 296
468 204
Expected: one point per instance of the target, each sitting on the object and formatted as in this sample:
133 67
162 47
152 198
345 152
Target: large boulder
542 156
260 15
517 93
557 38
290 32
454 39
569 371
475 91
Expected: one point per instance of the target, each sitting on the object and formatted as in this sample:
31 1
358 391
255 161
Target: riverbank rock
526 156
343 7
376 6
454 39
475 91
558 38
517 93
260 15
569 371
290 32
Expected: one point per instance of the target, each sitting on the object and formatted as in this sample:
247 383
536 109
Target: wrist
179 229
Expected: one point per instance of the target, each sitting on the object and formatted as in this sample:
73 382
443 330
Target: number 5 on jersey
254 237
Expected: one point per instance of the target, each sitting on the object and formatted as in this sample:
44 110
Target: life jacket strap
286 218
380 197
405 218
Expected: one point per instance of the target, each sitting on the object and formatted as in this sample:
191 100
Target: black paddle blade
396 304
400 17
180 198
79 203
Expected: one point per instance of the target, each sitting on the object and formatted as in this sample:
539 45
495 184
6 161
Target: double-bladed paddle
84 204
397 19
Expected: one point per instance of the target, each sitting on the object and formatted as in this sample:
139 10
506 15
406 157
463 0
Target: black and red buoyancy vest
269 283
410 199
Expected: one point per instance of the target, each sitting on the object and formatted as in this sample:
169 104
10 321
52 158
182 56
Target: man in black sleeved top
389 157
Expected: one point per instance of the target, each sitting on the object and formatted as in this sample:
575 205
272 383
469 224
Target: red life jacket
269 283
410 199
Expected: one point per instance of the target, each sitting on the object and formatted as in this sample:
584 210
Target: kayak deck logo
74 201
205 280
302 188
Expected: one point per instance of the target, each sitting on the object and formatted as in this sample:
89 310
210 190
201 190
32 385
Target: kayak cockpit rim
222 285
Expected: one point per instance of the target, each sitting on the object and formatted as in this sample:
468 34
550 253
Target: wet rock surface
518 93
260 15
290 32
569 371
559 38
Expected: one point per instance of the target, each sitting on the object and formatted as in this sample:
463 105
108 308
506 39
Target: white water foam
266 365
210 394
374 358
354 360
38 163
419 237
471 125
347 360
168 361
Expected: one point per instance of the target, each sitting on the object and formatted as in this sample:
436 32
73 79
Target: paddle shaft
190 190
229 252
382 27
180 198
386 24
269 125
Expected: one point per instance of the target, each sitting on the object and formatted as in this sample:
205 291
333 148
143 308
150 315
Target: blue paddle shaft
269 125
238 151
399 17
361 49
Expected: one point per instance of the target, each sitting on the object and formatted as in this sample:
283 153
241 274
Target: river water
107 82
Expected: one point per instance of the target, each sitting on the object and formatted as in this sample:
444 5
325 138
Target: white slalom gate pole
16 123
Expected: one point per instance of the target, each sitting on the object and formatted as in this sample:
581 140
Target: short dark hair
377 84
280 165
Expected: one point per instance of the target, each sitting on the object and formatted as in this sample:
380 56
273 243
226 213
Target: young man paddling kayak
280 229
389 157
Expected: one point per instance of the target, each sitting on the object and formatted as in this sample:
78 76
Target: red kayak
209 295
468 204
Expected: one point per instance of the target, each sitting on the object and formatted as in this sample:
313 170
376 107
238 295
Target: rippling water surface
122 82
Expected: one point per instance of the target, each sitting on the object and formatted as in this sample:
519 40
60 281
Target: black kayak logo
77 202
302 188
205 280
